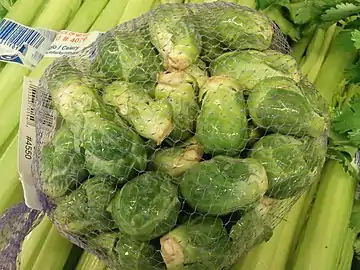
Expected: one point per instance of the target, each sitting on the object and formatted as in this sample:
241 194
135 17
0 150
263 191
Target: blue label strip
16 39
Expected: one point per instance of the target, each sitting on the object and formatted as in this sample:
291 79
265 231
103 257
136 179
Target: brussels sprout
147 206
175 36
250 67
105 243
61 165
127 253
286 164
278 104
199 72
212 48
254 134
200 242
236 28
254 227
180 90
221 126
151 119
315 150
113 141
223 185
74 99
122 169
318 103
84 210
102 133
125 55
176 160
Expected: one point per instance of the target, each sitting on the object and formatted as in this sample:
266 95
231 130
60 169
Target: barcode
37 56
48 117
15 35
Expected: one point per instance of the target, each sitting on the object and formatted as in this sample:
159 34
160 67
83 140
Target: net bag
181 139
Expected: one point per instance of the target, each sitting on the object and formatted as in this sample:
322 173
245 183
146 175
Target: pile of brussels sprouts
182 139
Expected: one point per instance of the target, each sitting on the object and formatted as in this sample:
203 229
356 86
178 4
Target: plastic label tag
27 138
69 43
23 45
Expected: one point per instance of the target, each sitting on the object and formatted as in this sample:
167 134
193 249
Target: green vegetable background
184 142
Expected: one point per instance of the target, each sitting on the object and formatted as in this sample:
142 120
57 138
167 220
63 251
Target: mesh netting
181 142
16 223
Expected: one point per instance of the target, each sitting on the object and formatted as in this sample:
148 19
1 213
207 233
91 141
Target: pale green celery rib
308 198
110 16
320 245
260 256
313 50
9 175
55 16
33 244
10 116
274 254
88 12
135 8
341 54
347 251
53 253
89 261
25 11
10 110
315 69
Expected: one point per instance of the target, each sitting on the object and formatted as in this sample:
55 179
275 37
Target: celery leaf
347 121
340 12
355 36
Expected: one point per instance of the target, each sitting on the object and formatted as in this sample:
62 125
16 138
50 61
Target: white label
69 43
23 45
27 138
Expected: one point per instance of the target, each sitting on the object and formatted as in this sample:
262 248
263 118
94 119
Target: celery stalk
308 200
15 196
331 76
55 15
87 14
135 8
33 243
110 16
89 261
273 255
314 70
24 11
299 48
313 50
320 246
347 251
53 253
10 116
261 256
9 179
